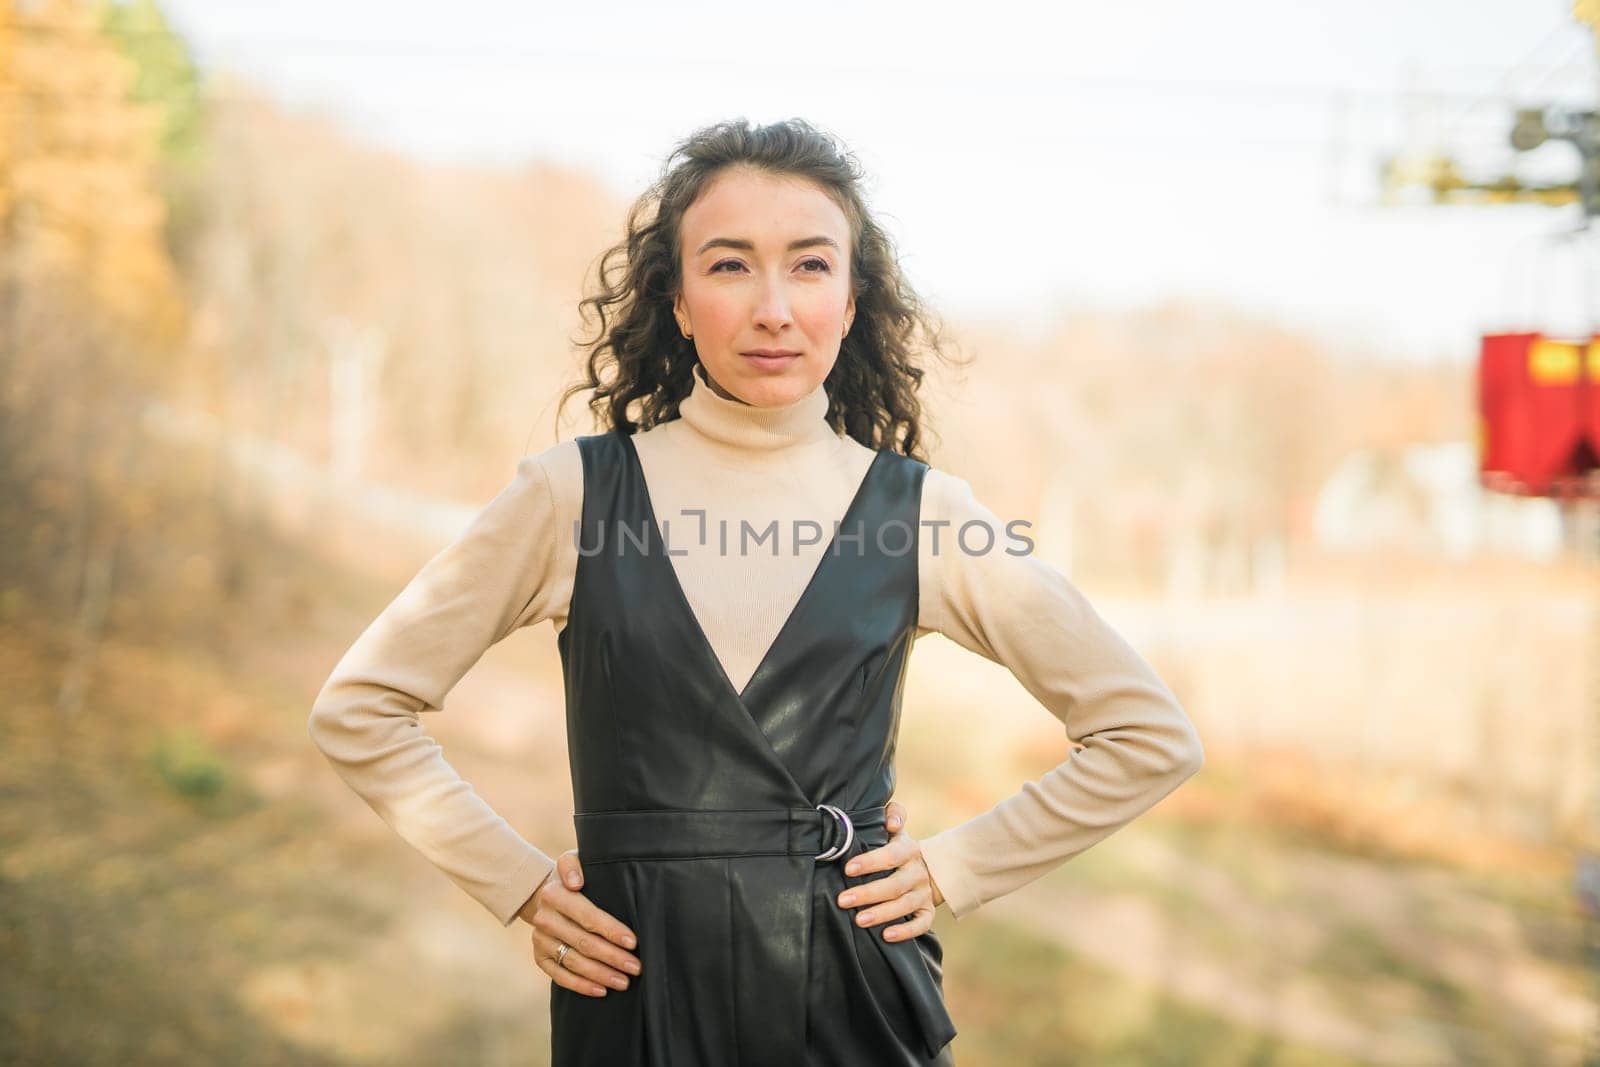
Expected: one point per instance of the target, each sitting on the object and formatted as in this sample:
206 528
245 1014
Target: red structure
1538 414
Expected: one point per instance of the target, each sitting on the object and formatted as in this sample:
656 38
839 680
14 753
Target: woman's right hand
598 955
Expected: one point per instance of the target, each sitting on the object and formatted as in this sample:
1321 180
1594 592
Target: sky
1028 158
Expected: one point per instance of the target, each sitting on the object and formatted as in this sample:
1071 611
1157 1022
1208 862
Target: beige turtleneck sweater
514 566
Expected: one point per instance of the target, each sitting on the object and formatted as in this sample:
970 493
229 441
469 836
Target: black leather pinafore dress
697 806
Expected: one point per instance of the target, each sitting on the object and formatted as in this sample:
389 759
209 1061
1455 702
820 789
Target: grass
1024 1000
192 769
119 977
157 905
135 894
1397 943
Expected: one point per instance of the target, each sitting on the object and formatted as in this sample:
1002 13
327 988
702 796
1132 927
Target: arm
497 576
1020 612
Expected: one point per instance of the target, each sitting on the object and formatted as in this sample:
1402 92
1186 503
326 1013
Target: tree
90 311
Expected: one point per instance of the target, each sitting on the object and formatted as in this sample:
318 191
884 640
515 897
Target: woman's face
766 285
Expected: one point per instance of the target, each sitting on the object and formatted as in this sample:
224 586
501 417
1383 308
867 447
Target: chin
768 392
762 389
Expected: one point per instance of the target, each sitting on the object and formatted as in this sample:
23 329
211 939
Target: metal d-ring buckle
849 832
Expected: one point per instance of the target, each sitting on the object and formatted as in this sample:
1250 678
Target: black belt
825 833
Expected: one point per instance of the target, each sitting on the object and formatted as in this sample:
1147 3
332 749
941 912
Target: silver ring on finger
561 953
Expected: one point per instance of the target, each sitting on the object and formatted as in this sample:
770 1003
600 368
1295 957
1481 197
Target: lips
772 360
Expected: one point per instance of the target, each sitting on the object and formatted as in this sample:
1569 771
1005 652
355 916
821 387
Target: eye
818 262
725 263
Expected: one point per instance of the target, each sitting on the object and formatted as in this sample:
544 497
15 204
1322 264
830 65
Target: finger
877 890
564 975
580 963
886 857
589 915
895 816
588 944
545 950
570 979
899 907
571 870
920 923
578 960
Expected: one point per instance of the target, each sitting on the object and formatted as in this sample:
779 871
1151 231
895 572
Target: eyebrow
746 246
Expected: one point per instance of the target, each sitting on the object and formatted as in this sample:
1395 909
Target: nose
773 311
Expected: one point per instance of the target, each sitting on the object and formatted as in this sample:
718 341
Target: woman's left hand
909 891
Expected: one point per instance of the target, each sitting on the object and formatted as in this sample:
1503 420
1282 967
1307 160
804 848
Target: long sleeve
498 575
1019 611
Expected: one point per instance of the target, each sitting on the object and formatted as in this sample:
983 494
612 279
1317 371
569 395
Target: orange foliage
77 163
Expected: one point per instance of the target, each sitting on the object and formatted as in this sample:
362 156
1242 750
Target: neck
746 427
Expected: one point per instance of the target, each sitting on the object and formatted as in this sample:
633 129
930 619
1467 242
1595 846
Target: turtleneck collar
746 426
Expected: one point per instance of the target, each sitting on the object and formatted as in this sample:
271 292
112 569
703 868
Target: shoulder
859 458
855 457
561 468
949 497
553 458
604 447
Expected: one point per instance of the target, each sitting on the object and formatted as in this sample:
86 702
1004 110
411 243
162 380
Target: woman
733 672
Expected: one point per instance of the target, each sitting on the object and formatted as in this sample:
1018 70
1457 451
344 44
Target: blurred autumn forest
206 249
245 353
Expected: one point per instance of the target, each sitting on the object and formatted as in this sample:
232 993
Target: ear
849 312
678 311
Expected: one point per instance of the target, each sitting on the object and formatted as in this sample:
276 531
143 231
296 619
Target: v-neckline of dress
687 609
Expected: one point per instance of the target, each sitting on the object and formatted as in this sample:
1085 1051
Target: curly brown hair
637 353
